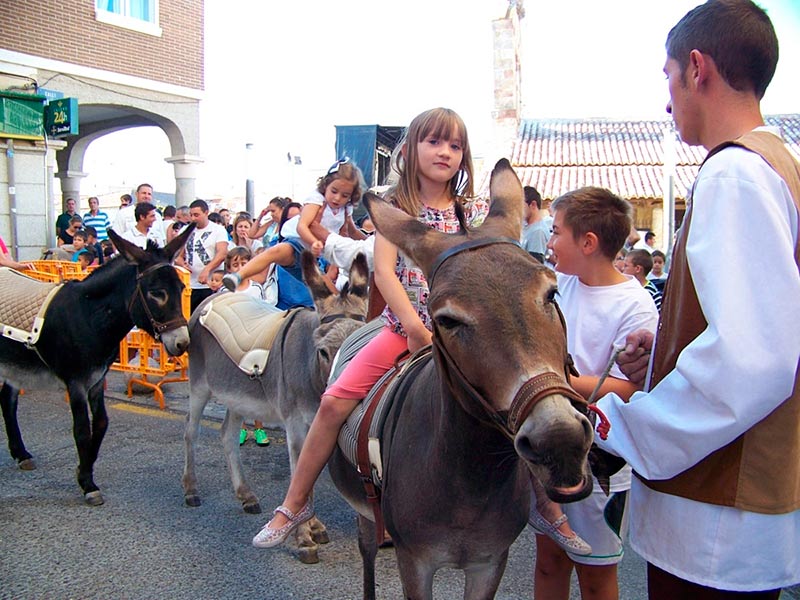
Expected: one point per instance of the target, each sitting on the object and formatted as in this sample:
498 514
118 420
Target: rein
542 385
159 327
330 318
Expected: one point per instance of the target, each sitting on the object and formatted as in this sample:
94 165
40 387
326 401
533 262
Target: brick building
129 63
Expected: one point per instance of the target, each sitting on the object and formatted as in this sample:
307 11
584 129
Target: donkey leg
416 575
9 397
229 432
481 582
368 547
319 533
199 395
81 431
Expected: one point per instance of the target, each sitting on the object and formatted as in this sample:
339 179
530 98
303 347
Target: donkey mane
103 280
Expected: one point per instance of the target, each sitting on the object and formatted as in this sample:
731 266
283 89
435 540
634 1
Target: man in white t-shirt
125 218
206 249
145 214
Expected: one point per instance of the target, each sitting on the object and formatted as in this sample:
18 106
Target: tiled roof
627 157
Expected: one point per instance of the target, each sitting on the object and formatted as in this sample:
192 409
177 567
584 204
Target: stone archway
98 120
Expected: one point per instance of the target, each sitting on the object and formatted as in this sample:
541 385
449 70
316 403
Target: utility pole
249 193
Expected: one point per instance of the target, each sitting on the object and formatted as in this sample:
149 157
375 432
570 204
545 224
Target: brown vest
760 470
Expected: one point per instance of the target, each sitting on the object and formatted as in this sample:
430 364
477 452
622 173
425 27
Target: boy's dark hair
659 253
599 211
532 195
201 204
170 212
108 248
641 258
649 236
81 234
90 231
215 217
142 210
737 35
285 216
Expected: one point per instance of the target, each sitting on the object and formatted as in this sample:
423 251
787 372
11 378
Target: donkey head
340 314
156 304
498 332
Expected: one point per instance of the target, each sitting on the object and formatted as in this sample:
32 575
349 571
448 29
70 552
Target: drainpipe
12 197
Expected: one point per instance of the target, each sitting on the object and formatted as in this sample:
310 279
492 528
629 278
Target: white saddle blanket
244 327
23 304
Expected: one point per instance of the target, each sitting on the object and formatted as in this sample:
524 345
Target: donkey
287 392
491 406
83 325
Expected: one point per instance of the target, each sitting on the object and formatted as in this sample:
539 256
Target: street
144 543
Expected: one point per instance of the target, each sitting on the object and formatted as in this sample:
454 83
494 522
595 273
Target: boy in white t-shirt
601 307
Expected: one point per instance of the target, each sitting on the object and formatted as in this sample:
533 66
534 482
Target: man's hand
634 359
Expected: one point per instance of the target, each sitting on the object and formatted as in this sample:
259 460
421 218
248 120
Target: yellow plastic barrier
152 360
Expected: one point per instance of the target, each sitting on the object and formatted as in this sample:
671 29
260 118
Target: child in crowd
638 264
601 307
78 244
659 263
86 257
336 194
432 160
236 258
215 280
619 260
92 241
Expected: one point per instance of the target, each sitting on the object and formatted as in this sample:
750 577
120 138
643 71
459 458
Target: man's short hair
532 195
649 236
143 185
641 258
142 210
170 212
599 211
201 204
737 35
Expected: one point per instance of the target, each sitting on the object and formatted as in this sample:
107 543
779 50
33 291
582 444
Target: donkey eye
158 296
552 295
448 323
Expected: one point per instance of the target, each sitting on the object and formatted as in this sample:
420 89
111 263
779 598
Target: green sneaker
261 437
242 436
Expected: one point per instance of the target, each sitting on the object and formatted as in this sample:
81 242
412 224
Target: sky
282 75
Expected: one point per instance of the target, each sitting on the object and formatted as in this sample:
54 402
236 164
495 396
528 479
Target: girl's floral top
411 276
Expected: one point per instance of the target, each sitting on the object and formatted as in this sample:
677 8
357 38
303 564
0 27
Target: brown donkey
492 405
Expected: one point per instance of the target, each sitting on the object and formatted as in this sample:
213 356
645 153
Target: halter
159 328
333 317
532 391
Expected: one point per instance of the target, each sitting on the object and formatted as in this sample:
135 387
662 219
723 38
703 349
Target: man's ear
698 68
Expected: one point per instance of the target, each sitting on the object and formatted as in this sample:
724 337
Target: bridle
532 391
159 328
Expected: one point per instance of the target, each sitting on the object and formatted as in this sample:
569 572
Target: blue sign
50 94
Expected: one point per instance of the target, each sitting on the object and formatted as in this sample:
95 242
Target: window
139 15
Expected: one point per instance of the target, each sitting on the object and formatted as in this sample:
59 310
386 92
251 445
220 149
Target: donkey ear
507 202
413 237
313 278
129 251
359 276
176 245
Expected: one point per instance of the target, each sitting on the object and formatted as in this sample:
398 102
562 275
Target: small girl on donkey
336 194
434 163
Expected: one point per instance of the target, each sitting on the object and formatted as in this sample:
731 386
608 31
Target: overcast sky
281 75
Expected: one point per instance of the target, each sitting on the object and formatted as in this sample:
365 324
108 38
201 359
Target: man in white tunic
715 442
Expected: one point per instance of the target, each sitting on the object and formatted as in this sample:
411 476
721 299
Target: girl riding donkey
336 194
434 163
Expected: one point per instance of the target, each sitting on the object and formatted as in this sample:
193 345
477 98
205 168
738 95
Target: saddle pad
348 434
244 327
23 303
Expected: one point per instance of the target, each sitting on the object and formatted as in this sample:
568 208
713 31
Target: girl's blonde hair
347 170
238 251
442 123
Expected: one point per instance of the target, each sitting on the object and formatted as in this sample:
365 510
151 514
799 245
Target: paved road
144 543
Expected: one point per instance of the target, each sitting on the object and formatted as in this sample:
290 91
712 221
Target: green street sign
61 117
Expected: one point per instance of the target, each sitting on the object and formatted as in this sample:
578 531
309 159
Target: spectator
535 231
145 214
97 219
62 222
65 237
638 264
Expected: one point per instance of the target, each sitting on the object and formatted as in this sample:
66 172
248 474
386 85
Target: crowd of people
706 412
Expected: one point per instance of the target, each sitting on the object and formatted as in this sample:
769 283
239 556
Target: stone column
71 188
185 166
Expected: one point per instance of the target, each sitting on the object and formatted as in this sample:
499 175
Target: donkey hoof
192 500
252 508
308 556
320 536
94 498
27 464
